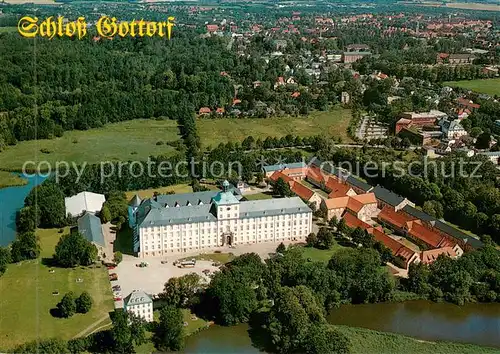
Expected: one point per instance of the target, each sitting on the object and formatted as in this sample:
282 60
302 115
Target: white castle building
177 223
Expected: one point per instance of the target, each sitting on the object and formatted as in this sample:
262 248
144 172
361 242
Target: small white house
453 129
140 304
84 202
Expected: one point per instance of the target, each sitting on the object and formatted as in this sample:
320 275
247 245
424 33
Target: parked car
113 277
118 298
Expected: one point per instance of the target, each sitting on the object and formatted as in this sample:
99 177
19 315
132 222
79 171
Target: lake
11 200
472 323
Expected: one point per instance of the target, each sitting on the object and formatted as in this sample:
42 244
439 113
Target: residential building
466 241
358 185
270 169
406 254
140 304
345 98
206 220
84 202
309 196
351 57
387 198
363 206
453 129
429 256
418 120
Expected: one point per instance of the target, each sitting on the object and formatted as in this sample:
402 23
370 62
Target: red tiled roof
397 248
295 94
431 255
428 236
205 110
353 222
315 173
277 175
301 190
337 203
393 218
366 198
467 103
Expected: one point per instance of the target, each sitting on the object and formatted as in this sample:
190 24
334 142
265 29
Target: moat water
12 200
473 323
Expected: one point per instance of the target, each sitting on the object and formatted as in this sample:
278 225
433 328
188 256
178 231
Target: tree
27 219
4 259
118 257
127 330
178 292
48 201
231 297
73 250
105 214
362 237
433 208
288 322
47 346
281 248
83 302
475 132
325 238
483 141
342 227
281 188
169 334
25 246
259 177
67 305
312 240
333 222
324 338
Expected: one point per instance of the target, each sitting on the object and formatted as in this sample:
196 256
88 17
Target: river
11 200
472 323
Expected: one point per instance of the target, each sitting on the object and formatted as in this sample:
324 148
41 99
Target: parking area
159 270
152 277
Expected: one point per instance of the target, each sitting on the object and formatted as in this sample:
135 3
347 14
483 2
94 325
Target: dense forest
84 84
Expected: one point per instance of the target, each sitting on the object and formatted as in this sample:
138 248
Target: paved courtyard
152 278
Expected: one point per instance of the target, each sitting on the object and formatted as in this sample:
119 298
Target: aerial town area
270 176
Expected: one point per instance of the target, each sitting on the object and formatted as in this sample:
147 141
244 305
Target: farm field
27 298
130 140
215 131
488 86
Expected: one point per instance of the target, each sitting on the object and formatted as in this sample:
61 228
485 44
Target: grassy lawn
215 131
148 193
258 196
131 140
318 255
26 297
489 86
8 179
373 342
